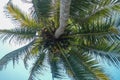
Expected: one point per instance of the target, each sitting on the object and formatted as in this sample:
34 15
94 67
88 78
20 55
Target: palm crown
91 35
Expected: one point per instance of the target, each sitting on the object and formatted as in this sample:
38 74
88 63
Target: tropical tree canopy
74 35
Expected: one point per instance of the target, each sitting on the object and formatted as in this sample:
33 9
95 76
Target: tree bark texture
64 15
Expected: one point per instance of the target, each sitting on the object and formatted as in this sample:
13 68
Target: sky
19 72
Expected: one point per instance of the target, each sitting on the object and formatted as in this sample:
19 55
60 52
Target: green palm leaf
104 53
35 50
91 35
41 8
17 14
37 67
96 32
82 66
15 55
19 34
87 10
54 61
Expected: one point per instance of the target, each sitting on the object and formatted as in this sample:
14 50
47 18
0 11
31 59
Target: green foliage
92 35
15 55
89 10
42 8
37 66
17 14
55 68
80 65
19 34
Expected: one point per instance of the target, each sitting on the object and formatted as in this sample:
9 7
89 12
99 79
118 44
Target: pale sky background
19 72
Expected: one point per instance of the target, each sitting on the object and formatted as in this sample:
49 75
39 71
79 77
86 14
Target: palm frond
54 61
96 32
87 10
106 53
82 66
15 55
80 8
55 12
19 34
41 8
105 9
109 58
18 15
91 35
37 67
37 48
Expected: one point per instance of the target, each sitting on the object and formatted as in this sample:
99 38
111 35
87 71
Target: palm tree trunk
26 1
64 15
54 2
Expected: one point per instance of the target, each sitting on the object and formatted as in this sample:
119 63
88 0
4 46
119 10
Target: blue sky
19 72
10 73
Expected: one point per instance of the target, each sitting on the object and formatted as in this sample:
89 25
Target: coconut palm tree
73 37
